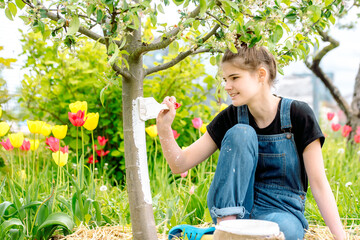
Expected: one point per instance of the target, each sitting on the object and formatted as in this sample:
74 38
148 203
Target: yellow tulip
203 127
91 121
0 111
152 131
59 131
35 126
46 129
22 174
16 139
60 158
4 128
76 106
34 144
223 106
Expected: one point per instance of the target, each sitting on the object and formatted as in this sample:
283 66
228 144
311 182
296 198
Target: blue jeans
245 186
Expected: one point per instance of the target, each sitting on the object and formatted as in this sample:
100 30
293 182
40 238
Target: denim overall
259 176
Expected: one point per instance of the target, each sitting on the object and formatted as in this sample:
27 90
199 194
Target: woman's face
242 86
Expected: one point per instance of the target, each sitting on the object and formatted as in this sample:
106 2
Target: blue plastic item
192 233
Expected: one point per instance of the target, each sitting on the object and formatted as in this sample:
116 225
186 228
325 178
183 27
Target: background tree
351 111
202 26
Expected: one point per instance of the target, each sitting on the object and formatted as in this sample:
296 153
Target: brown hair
252 59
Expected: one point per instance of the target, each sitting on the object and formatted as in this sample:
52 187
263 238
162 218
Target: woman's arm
181 160
321 190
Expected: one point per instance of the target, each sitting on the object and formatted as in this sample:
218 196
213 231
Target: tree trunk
137 175
354 121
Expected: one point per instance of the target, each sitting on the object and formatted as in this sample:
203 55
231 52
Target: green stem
12 166
82 157
93 163
34 158
77 149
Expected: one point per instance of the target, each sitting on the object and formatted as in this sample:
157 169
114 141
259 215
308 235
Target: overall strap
285 113
242 115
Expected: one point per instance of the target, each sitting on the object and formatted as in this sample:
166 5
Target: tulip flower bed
47 188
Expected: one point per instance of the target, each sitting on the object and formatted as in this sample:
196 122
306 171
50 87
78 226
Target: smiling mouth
233 94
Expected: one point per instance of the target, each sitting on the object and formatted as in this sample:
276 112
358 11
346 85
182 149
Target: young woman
270 148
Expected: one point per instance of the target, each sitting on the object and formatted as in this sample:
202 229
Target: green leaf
196 24
153 19
287 2
233 5
12 8
58 219
232 47
160 9
8 14
102 96
328 2
99 15
20 4
174 47
74 25
314 13
213 60
9 224
41 26
114 56
332 19
203 7
178 2
90 9
277 34
188 21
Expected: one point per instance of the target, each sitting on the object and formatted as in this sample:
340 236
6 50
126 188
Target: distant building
305 87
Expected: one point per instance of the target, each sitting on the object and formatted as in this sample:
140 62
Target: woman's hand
166 117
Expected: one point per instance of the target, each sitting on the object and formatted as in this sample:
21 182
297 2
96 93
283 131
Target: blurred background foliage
59 76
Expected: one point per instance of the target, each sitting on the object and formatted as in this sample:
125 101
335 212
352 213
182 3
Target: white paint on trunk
138 127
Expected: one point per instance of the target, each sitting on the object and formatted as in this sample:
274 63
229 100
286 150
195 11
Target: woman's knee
241 133
289 224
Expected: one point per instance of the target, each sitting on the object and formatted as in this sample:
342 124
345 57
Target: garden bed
315 232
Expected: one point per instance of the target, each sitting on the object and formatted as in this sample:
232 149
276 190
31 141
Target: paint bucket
241 229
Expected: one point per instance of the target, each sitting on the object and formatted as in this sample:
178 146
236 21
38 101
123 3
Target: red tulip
197 123
358 131
53 144
91 160
102 140
65 149
176 134
7 145
330 116
346 130
102 153
25 146
335 127
357 138
77 119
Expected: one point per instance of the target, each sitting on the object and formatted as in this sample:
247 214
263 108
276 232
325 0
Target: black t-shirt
304 127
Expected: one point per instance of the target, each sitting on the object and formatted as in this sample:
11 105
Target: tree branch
163 42
182 55
127 75
316 69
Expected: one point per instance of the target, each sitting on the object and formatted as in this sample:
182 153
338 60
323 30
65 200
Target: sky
343 61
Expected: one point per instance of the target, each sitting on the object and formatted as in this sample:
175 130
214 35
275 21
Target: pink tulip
176 134
25 146
330 116
53 144
184 174
197 123
77 119
7 145
357 138
346 130
102 153
335 127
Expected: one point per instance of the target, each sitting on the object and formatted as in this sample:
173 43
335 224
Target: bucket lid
249 227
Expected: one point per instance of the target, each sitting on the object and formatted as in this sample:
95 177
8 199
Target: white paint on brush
140 143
